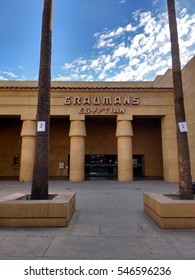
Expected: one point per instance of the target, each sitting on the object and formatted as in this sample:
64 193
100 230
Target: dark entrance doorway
137 166
98 165
106 166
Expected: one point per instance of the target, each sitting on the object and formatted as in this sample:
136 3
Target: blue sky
94 40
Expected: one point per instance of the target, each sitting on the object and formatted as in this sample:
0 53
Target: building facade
122 130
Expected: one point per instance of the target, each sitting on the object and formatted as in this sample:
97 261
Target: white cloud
134 61
130 28
10 74
21 67
121 50
145 54
122 1
155 1
67 66
3 78
102 75
77 62
95 63
73 77
62 78
110 65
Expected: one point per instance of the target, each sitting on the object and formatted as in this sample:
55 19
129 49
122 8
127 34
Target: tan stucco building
122 130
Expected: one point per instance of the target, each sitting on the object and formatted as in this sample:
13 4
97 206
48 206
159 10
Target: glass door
101 165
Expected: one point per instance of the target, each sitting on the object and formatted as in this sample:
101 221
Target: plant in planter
164 210
40 171
40 209
185 179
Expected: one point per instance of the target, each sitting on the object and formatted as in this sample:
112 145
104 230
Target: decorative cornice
62 88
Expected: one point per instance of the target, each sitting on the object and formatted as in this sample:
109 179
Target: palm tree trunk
40 172
185 180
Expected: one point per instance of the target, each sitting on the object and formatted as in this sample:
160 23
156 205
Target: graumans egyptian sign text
102 105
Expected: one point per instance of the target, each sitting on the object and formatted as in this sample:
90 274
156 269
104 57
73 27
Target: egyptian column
28 134
77 149
124 135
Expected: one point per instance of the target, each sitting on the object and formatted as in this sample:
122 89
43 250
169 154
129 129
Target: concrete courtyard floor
109 223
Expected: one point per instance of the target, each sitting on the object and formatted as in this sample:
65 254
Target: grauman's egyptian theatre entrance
122 130
101 152
95 146
114 130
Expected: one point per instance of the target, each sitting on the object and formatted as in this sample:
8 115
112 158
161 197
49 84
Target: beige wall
101 137
189 98
147 142
188 74
10 146
59 146
153 121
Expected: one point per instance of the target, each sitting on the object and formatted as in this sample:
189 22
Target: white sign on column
183 127
41 126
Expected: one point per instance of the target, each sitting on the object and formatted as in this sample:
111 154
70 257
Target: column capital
77 128
124 128
124 118
77 117
28 117
28 128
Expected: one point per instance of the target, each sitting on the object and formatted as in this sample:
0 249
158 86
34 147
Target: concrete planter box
18 212
168 212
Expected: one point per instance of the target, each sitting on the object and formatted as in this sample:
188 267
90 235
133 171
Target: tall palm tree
185 179
40 172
